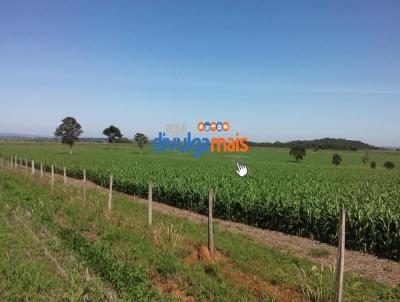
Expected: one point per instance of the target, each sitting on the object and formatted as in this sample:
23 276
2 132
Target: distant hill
9 135
23 137
324 143
42 138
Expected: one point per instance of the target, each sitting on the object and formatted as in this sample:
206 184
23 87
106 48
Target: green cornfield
279 194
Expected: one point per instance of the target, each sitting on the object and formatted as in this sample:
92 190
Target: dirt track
381 270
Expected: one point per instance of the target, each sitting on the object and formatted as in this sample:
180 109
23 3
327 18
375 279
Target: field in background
297 198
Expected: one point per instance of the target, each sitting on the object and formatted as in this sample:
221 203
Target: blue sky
276 70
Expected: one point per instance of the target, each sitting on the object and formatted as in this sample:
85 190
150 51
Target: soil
258 288
367 265
171 286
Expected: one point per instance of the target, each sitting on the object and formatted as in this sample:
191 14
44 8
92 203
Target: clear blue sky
276 70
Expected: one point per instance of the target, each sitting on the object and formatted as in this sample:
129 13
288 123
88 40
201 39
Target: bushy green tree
113 133
389 165
373 164
297 152
336 159
141 140
68 131
365 158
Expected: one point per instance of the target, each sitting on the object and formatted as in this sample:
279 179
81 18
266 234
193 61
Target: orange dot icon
213 126
200 126
225 126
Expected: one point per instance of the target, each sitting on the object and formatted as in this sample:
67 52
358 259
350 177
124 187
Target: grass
297 198
319 253
142 263
28 274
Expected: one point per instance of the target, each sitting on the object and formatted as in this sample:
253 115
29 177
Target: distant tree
336 159
123 140
112 133
365 158
141 140
69 132
373 164
389 165
297 152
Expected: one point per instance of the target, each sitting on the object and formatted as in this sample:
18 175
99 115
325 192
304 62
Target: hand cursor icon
241 170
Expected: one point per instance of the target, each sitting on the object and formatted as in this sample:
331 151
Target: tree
365 158
141 140
373 164
112 133
297 152
336 159
389 165
69 132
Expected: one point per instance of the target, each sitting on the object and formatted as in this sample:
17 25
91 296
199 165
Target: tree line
69 131
324 143
299 152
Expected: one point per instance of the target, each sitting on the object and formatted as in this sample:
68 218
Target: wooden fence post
210 223
52 175
2 161
110 194
150 204
41 170
33 168
11 162
84 184
26 166
65 176
340 257
16 162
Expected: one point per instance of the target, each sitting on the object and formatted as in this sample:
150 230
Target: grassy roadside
163 262
34 266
